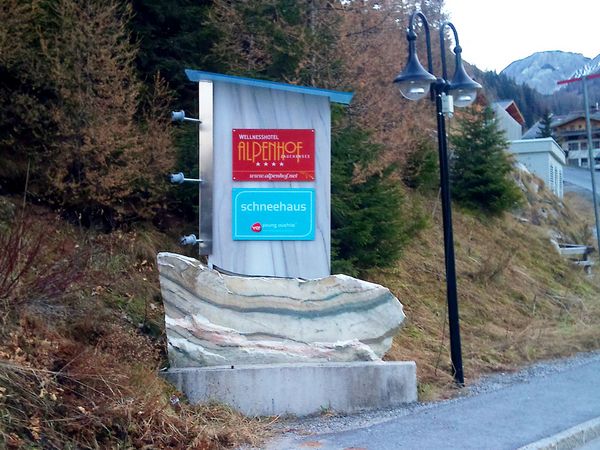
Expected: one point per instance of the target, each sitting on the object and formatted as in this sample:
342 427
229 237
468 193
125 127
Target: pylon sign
264 166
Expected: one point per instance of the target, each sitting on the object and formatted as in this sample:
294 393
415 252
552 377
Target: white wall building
509 119
543 157
570 131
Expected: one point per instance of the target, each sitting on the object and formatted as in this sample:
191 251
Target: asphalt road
580 179
515 414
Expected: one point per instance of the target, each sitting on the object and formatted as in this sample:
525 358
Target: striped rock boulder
214 319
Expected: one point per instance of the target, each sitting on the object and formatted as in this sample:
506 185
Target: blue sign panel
273 214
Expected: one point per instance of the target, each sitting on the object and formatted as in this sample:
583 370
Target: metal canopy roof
334 96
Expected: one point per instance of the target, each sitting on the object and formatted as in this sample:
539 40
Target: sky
494 33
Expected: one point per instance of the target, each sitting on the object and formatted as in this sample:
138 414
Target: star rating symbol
273 164
281 164
257 164
266 164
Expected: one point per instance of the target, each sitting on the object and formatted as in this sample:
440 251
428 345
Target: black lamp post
415 83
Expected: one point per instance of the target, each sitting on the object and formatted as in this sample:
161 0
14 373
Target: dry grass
519 300
100 406
79 369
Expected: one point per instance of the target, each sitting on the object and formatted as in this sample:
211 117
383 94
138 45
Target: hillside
83 335
82 341
519 300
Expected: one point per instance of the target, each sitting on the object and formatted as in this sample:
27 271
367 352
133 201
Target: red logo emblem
257 227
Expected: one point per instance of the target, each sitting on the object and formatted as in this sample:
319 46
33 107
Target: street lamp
415 83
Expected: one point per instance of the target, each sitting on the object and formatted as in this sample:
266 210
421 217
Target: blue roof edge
335 96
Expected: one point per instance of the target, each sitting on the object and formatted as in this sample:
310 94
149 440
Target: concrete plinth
300 389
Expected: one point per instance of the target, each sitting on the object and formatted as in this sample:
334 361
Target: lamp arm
457 48
411 36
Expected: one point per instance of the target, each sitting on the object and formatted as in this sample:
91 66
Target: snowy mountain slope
591 67
542 70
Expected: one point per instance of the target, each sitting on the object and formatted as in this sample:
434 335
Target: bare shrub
31 268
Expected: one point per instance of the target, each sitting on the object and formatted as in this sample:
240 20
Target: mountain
591 67
542 70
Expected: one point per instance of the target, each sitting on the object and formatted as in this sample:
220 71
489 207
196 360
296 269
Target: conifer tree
545 129
369 220
281 40
480 169
295 42
77 124
173 36
421 171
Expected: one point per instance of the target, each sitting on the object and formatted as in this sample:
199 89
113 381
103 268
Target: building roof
503 103
512 109
559 120
334 96
539 145
533 132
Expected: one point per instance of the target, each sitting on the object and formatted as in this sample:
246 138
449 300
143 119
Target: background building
509 118
544 157
570 132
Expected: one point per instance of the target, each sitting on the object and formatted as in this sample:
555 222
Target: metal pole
205 164
451 295
591 159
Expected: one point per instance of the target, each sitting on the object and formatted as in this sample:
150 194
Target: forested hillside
86 90
531 103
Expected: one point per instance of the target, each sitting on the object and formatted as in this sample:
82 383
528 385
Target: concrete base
300 389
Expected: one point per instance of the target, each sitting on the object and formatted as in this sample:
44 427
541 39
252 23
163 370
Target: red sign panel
273 155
